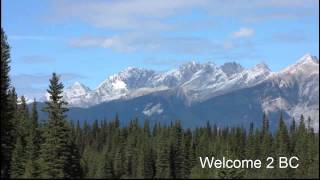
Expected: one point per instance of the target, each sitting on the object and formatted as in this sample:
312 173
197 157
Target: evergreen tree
17 168
188 153
266 142
20 153
282 138
118 162
108 172
293 137
146 162
7 109
265 124
282 147
33 145
163 159
177 152
55 150
72 168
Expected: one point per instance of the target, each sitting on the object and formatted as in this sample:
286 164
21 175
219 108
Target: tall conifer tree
55 151
7 110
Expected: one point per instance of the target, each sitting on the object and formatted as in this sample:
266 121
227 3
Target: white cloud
243 33
138 14
152 15
140 42
145 24
124 43
132 42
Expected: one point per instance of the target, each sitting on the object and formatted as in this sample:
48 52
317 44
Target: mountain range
196 93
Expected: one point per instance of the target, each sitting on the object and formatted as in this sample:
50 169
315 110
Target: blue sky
87 41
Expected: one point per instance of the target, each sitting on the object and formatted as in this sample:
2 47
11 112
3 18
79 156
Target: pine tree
146 162
118 162
293 137
72 168
55 150
266 141
188 152
119 157
20 153
265 124
17 168
108 172
250 144
23 123
7 109
312 153
163 159
282 147
177 152
282 138
33 145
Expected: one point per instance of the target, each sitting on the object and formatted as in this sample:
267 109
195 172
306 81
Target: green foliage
134 151
33 145
7 109
59 156
18 161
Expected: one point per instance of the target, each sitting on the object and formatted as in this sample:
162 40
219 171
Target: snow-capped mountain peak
307 64
308 59
262 66
77 89
130 71
78 85
199 81
191 66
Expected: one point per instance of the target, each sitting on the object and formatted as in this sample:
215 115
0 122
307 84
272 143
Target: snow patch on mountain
274 104
151 109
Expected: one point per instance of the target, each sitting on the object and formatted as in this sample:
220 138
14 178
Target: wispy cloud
151 15
132 42
243 33
141 24
37 59
139 42
30 37
136 14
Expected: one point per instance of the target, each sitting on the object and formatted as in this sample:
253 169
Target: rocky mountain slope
195 93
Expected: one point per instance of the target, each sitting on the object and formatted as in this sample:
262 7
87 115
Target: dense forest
58 148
